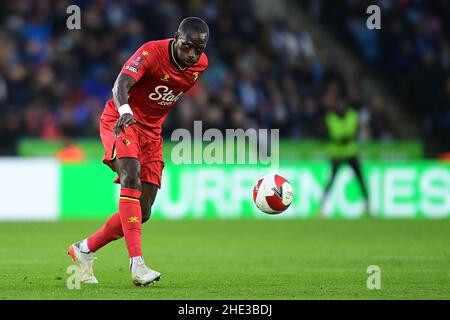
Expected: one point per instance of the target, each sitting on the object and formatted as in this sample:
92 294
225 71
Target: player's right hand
124 121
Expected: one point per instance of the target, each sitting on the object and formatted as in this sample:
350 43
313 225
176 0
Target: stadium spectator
411 52
57 80
70 152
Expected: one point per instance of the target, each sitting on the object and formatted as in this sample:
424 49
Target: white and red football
273 194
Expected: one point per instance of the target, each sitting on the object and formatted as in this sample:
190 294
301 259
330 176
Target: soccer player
148 86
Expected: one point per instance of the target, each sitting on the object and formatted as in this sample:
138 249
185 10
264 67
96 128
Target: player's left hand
124 121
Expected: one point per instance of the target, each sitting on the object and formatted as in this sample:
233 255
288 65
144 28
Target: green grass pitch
289 259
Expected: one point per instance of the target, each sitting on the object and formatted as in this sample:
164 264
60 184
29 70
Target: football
273 194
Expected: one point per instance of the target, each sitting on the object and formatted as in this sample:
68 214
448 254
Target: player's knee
130 180
146 212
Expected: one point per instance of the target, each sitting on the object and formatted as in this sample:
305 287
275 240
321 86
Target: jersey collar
172 56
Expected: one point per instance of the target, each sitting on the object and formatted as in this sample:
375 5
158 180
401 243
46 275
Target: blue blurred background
273 64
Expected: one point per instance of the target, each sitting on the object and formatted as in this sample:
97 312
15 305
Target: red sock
111 230
131 218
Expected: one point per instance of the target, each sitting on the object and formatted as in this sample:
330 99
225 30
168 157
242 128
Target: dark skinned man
148 86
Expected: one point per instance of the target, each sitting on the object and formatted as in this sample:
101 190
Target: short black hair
193 24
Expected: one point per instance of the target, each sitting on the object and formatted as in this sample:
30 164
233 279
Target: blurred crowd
411 51
263 72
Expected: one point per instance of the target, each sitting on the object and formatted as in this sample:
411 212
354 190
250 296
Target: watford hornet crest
195 76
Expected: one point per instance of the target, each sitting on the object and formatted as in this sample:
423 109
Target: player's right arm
133 70
122 86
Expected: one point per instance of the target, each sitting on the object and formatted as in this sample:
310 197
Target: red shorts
136 142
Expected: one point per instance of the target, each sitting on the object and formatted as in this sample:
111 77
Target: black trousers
355 165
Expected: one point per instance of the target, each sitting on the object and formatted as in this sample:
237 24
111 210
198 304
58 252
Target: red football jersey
159 83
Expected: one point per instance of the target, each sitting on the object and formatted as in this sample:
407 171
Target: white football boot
85 261
141 274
